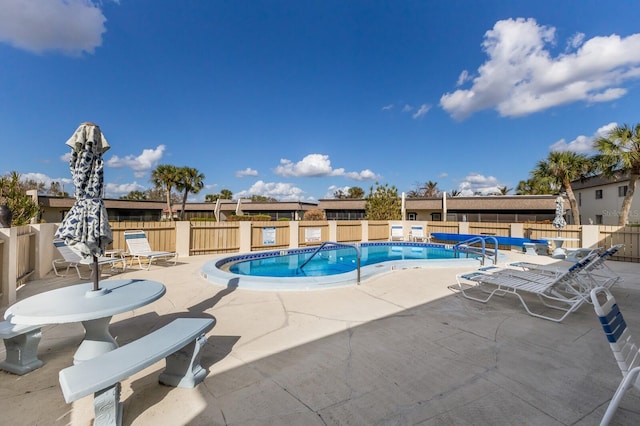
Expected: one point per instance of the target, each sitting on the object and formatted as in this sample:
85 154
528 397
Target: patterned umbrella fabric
558 221
85 228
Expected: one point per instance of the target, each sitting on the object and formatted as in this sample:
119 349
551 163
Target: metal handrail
321 246
483 248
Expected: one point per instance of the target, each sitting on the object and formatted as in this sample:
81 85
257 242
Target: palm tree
563 167
619 156
537 186
191 181
166 177
503 190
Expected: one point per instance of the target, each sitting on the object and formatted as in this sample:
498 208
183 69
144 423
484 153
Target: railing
353 246
468 247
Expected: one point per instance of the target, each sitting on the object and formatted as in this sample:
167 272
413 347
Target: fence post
333 230
294 230
517 230
9 264
364 225
589 235
463 227
183 238
245 236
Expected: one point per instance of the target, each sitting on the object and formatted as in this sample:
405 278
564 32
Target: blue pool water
332 266
335 260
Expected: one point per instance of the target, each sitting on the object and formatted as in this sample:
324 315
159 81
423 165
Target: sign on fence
312 235
268 236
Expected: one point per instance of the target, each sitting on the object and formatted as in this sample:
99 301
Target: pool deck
400 349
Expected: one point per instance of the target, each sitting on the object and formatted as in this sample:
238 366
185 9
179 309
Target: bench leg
183 367
107 406
22 353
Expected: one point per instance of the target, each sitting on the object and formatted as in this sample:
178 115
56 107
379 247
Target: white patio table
79 303
559 252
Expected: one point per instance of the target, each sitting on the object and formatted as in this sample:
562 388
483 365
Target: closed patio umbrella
85 227
558 221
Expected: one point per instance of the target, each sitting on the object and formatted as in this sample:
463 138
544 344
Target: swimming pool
332 265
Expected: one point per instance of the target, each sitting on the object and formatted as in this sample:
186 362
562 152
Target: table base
97 340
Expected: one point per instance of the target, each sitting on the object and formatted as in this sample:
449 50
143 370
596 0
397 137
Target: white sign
312 235
268 236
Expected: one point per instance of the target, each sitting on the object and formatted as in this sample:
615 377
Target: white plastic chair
625 350
73 259
397 233
139 248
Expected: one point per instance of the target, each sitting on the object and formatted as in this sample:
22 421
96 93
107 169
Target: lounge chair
595 272
625 349
561 291
397 233
138 248
417 234
73 259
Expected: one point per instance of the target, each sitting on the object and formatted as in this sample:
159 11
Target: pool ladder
321 246
468 248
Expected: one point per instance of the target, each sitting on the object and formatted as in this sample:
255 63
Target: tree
314 214
14 195
165 177
191 181
355 192
563 167
537 186
454 193
383 203
619 155
262 199
225 194
427 189
503 190
135 195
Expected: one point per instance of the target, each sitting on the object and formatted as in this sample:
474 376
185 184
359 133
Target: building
600 200
503 208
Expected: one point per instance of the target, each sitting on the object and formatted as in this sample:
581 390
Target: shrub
315 214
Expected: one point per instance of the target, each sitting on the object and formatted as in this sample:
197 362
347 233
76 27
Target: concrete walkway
400 349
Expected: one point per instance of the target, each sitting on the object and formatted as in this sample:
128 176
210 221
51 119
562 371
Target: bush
315 214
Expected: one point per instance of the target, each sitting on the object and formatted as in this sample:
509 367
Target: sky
298 99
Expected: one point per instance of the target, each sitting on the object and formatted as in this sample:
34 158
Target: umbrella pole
96 273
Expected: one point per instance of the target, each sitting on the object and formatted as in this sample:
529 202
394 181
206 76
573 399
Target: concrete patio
400 349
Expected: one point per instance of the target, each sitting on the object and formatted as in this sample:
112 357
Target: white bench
536 249
21 343
180 342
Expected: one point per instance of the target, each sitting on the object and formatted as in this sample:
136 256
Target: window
412 216
598 194
436 217
622 191
598 219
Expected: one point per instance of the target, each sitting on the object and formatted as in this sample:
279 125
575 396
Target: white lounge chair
138 248
595 272
559 291
73 259
397 233
417 234
625 348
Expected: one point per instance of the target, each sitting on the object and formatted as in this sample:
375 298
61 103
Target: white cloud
521 77
41 177
387 107
407 108
318 165
424 108
575 41
69 26
278 190
140 164
333 189
582 143
246 172
476 183
463 78
114 190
